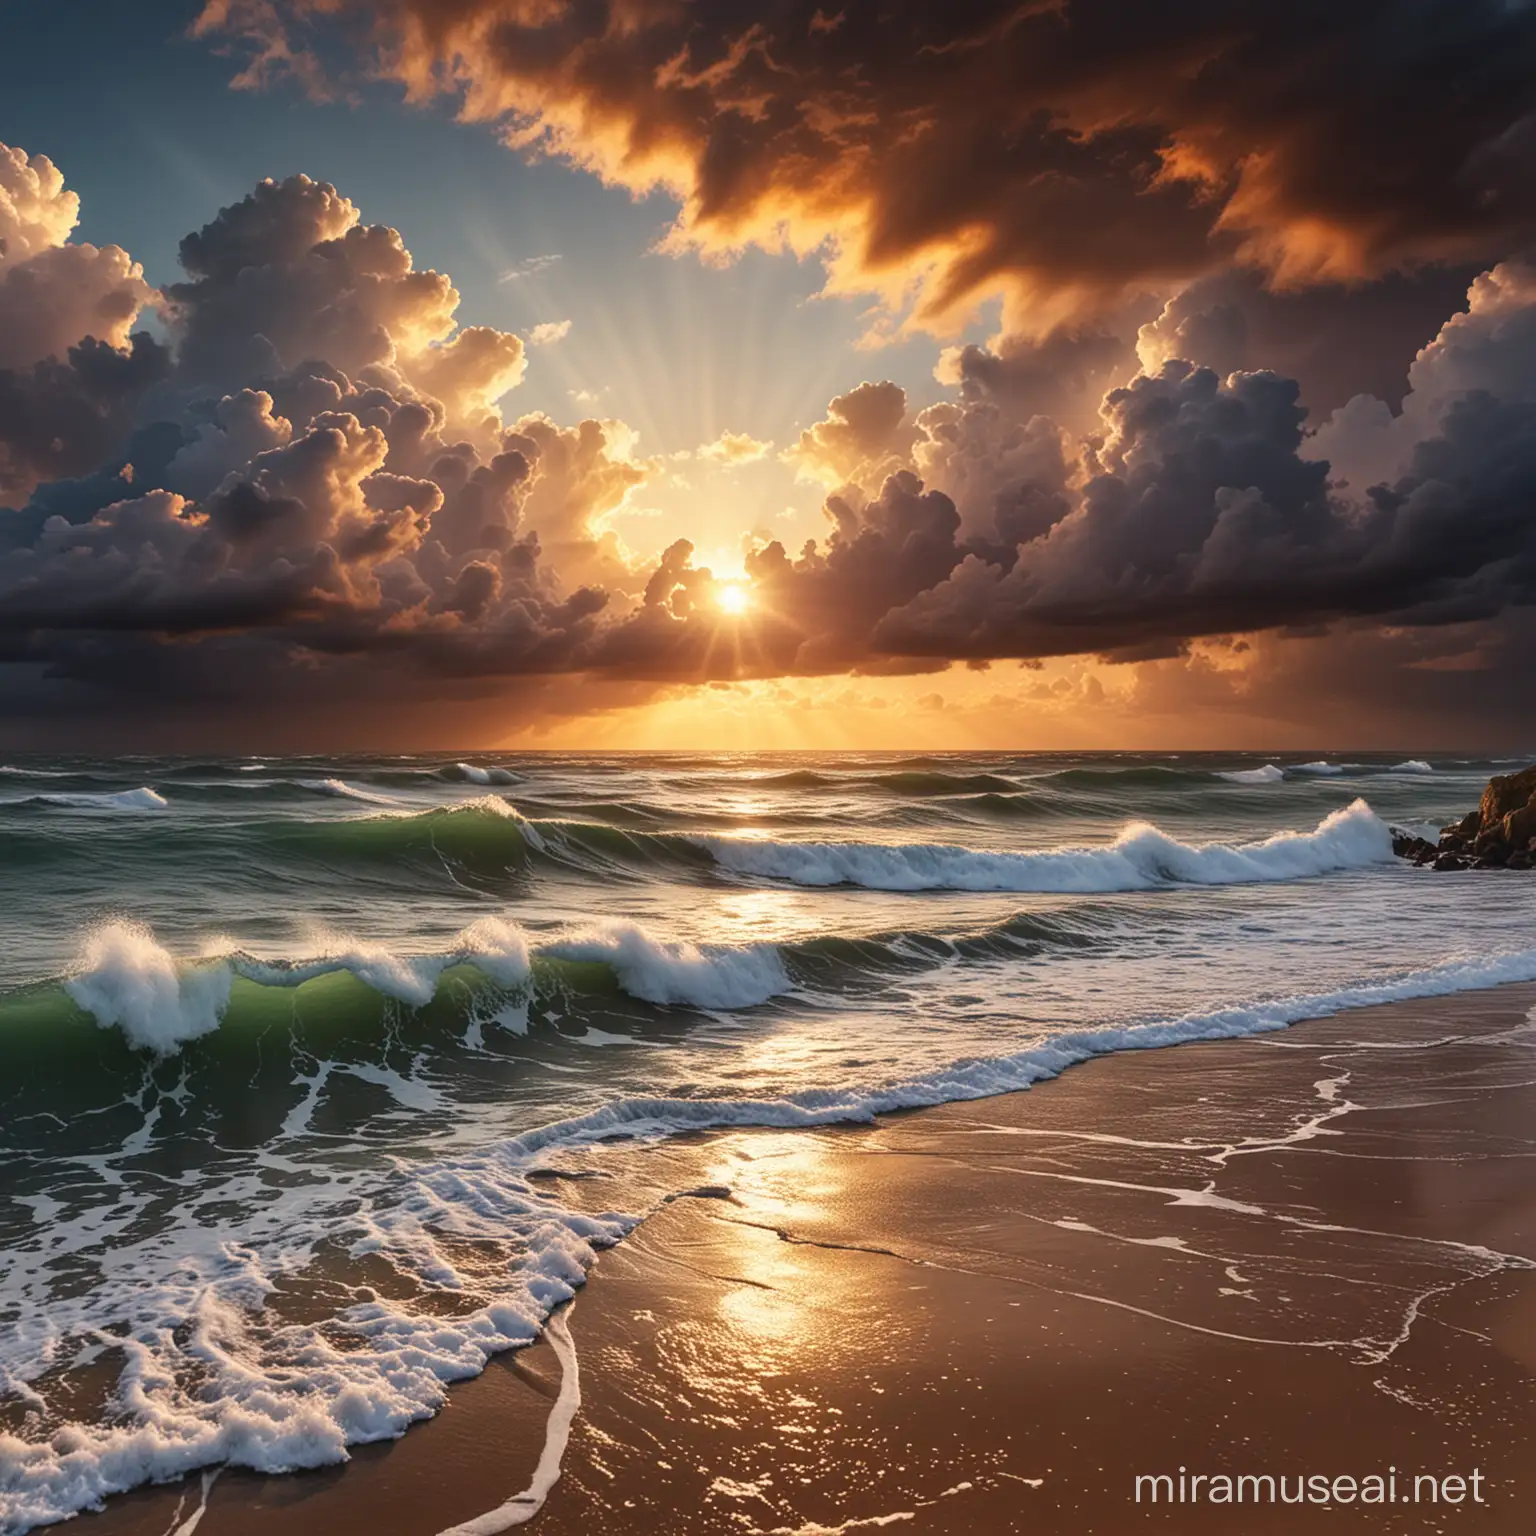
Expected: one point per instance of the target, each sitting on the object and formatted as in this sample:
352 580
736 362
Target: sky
683 373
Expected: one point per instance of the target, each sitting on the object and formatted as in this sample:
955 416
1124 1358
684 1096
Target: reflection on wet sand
1308 1252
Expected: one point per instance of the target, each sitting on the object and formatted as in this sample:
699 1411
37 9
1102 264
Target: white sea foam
125 979
698 976
1322 769
141 799
1268 774
344 791
522 1507
497 948
209 1379
985 1077
1141 857
1413 765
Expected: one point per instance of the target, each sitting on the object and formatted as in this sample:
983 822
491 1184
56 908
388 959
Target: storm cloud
1264 366
1060 155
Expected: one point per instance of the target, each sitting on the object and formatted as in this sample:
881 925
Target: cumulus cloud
37 213
312 474
309 492
735 448
863 436
291 273
548 332
1490 350
69 368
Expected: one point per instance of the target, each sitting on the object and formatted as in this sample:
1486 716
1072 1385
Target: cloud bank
300 494
1059 154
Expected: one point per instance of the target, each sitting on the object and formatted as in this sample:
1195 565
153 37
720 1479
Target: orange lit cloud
1060 155
735 448
306 501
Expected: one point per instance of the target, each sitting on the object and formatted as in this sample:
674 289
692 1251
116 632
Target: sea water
291 1049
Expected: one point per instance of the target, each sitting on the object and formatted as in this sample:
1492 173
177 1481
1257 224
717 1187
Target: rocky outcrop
1499 834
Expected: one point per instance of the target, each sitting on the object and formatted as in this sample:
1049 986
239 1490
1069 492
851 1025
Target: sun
732 598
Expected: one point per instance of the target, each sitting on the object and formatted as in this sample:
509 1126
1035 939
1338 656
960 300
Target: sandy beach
1308 1254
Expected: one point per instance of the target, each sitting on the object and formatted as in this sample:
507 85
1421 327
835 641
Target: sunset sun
733 599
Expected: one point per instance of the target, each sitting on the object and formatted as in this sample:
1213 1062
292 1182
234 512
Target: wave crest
1141 857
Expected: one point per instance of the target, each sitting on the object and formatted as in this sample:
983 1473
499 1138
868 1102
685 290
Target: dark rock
1519 827
1468 826
1519 861
1407 846
1447 861
1506 792
1451 843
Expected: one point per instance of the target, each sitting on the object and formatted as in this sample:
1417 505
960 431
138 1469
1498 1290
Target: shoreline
1305 1252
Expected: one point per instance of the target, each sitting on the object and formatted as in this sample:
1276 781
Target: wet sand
1311 1253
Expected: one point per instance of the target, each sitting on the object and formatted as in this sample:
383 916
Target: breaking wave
141 799
472 773
127 980
1141 857
215 1375
1268 774
344 791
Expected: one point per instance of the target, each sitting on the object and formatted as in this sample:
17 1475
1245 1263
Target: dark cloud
1336 341
1060 153
63 418
1201 508
227 517
305 500
1200 515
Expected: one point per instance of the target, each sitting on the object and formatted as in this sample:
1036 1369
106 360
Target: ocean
314 1071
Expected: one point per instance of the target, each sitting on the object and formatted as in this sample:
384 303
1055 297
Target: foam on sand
522 1507
209 1378
1140 858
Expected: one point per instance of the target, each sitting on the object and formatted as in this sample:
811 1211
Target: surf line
188 1526
522 1507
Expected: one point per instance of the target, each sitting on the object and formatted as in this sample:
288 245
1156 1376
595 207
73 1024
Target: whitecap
141 799
125 979
344 791
665 972
478 775
1140 858
1268 774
